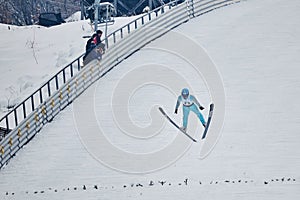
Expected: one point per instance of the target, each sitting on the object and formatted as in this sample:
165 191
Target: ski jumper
189 104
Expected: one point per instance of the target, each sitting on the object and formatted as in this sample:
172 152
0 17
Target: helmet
185 92
99 32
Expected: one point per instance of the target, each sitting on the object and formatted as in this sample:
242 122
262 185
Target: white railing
120 45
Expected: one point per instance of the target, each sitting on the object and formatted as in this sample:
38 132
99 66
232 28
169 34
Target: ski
172 122
211 109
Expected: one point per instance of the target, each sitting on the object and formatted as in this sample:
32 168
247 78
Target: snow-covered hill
31 55
255 46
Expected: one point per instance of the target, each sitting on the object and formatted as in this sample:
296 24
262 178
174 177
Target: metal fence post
16 117
71 70
78 63
56 82
7 125
41 95
49 89
24 109
32 102
64 76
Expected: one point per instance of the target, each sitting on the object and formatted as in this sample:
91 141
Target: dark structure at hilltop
27 12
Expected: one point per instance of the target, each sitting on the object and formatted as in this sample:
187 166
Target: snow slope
31 55
255 46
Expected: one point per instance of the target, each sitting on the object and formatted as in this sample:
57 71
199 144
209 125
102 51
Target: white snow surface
254 45
31 55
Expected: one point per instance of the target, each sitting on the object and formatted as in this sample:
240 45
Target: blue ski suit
189 104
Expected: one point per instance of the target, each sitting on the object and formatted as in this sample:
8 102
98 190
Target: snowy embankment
255 46
31 55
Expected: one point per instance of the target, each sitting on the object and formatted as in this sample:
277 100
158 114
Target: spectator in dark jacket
99 44
90 45
94 48
97 38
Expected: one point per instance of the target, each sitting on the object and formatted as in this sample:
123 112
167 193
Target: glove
176 110
201 108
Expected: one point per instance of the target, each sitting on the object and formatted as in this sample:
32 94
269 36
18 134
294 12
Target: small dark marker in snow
96 187
42 192
55 190
186 181
162 182
35 192
277 179
294 179
266 182
288 179
6 193
13 193
227 181
84 188
75 188
240 181
124 186
151 183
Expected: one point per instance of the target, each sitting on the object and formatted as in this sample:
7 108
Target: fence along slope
23 130
21 111
159 23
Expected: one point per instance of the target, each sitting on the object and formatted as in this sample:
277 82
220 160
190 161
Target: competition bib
187 101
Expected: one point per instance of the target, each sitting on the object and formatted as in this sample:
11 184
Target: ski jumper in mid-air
190 103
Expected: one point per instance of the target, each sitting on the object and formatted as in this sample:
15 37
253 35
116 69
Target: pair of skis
211 108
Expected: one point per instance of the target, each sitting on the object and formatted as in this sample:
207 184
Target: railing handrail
142 16
106 38
63 88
